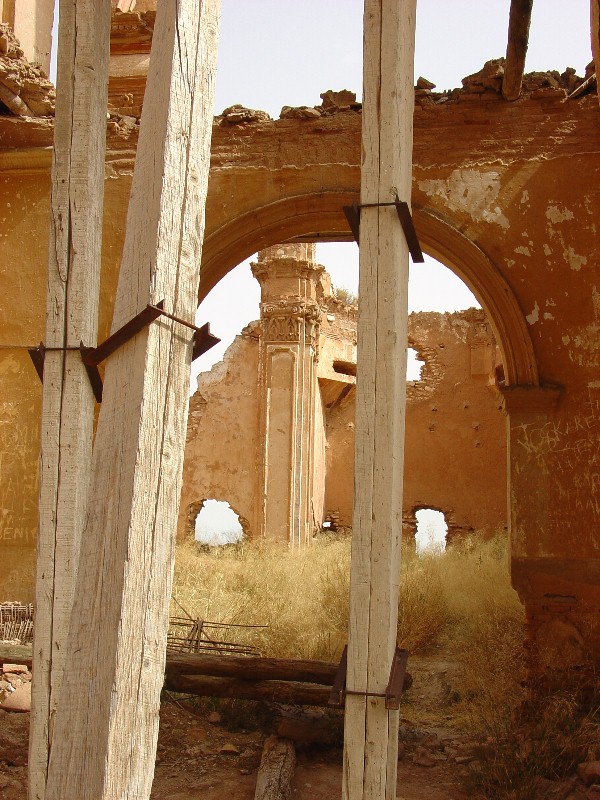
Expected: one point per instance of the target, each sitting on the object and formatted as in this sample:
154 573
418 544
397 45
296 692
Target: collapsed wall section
455 453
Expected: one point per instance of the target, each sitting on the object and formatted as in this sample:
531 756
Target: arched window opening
217 524
432 529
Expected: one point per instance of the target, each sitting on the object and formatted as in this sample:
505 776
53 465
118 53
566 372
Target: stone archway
319 216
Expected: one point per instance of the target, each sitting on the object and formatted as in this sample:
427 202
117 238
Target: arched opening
217 524
431 530
319 217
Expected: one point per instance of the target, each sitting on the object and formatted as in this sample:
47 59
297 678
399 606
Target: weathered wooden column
107 718
72 314
371 731
290 322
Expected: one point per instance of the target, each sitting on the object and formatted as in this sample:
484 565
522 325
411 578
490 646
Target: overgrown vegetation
345 296
458 604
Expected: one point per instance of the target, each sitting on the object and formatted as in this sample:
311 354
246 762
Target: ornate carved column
290 322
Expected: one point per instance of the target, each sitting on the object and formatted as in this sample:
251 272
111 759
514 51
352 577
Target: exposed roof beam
516 49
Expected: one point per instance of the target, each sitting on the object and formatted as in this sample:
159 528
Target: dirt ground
202 754
212 750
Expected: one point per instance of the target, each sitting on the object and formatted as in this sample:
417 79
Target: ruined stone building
490 200
271 427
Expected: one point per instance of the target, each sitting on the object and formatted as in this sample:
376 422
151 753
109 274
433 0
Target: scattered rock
14 669
18 700
214 718
229 749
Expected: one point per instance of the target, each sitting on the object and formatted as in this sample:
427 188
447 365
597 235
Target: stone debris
299 112
239 115
15 688
25 90
488 78
423 83
229 749
343 100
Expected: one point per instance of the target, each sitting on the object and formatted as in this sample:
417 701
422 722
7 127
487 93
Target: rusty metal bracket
352 214
338 690
36 354
393 691
92 356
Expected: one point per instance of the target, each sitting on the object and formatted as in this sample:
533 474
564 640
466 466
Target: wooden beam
71 318
276 771
250 667
107 719
271 691
371 731
516 48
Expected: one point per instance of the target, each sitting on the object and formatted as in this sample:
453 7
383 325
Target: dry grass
458 604
459 598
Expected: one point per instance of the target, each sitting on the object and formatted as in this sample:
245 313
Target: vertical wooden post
371 732
107 718
72 314
516 48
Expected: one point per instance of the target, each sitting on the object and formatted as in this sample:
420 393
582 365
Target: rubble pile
25 90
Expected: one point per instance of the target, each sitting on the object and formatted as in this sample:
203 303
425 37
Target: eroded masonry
490 201
271 427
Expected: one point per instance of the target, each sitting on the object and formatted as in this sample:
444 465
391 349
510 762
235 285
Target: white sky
278 52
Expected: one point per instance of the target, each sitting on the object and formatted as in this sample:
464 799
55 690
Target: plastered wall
506 194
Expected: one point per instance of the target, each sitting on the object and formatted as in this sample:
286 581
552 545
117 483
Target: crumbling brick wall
455 430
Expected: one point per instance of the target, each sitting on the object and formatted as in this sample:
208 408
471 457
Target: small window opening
414 365
217 524
432 529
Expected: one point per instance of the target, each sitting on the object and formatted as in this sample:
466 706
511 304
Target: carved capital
289 319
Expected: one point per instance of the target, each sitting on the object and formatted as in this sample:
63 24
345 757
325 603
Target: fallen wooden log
291 692
276 771
251 668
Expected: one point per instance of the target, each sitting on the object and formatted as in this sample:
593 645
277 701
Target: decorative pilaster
290 322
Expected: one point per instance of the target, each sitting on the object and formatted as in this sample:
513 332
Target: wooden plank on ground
371 731
276 771
107 719
516 48
71 318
